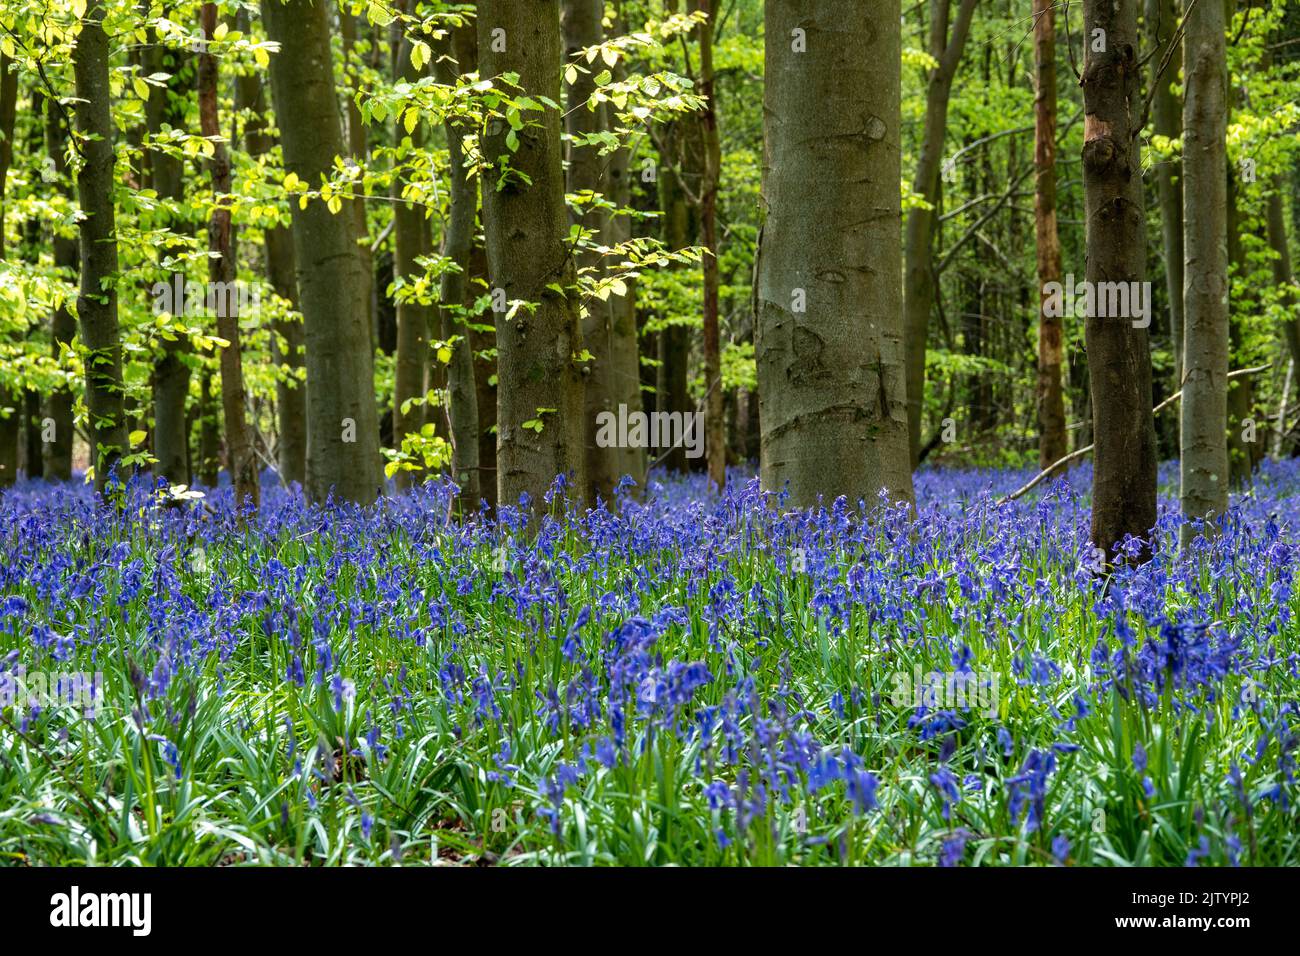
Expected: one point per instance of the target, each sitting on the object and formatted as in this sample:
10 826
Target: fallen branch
1057 465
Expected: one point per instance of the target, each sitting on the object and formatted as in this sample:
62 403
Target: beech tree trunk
97 300
457 245
11 400
829 340
1204 449
342 422
1119 357
56 454
412 317
171 372
715 442
588 172
240 458
919 280
540 411
1051 350
1167 120
287 337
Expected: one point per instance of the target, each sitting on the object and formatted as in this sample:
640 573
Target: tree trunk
412 317
715 442
1051 350
1119 358
358 149
919 279
97 301
829 337
287 335
457 245
673 347
540 392
171 372
56 450
1203 438
1282 274
342 422
11 400
1167 120
222 291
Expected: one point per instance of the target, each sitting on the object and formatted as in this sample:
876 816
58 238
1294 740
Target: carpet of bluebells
674 678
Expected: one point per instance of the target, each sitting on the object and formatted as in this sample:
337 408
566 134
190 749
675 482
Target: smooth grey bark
1051 350
412 317
56 455
526 226
342 422
287 338
1119 356
605 331
11 400
457 245
358 149
1167 120
240 458
829 337
171 372
1203 470
97 299
946 46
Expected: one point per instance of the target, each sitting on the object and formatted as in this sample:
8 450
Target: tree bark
240 458
342 422
412 317
287 333
829 339
529 258
715 442
358 148
56 455
1167 120
1119 358
1051 351
97 301
919 279
11 400
171 372
1203 437
457 245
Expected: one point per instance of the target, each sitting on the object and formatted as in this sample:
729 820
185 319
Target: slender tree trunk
1051 350
1203 439
171 372
1119 358
540 392
624 347
209 466
715 441
11 401
829 340
457 245
342 422
1167 120
56 450
97 301
673 347
1241 392
919 279
240 458
412 317
1282 273
358 148
287 334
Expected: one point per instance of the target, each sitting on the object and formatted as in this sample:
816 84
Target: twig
1057 465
